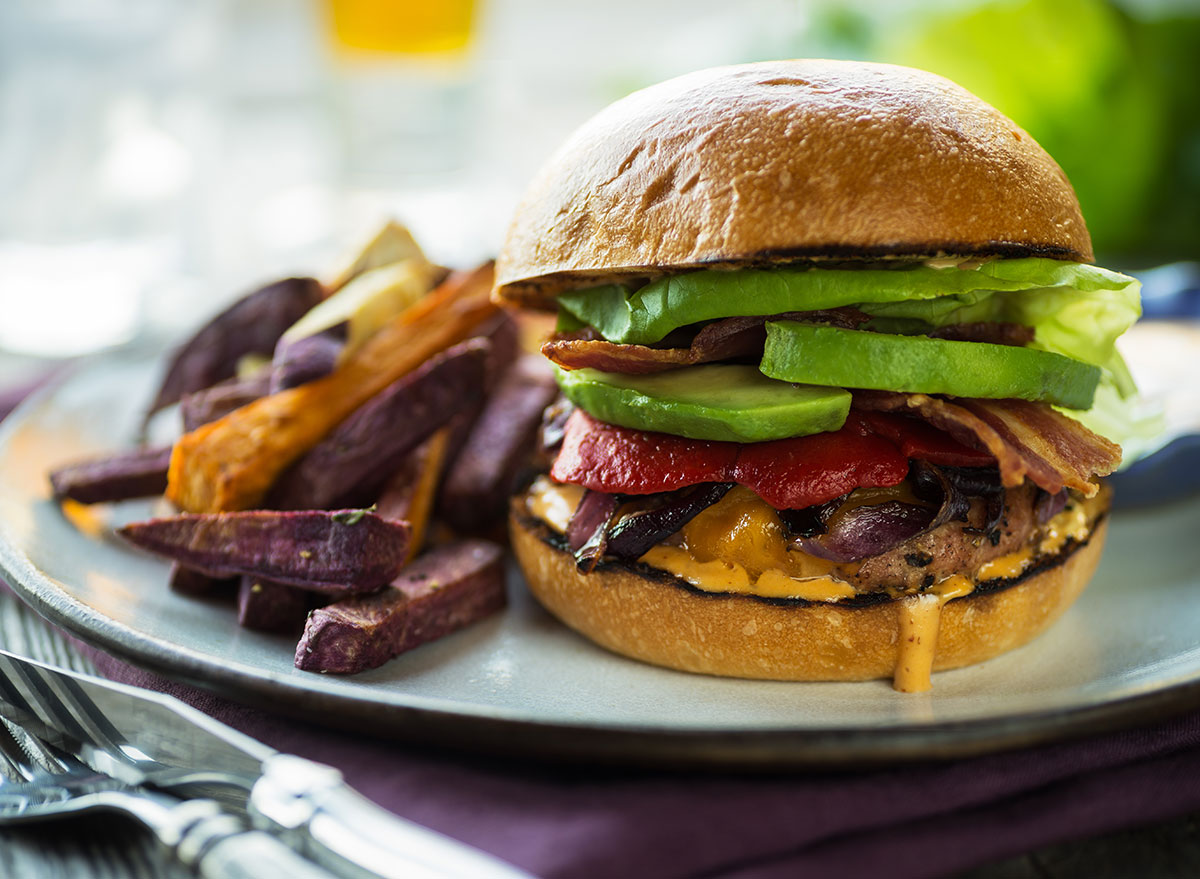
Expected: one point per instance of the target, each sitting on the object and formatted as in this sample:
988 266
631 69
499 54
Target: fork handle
214 843
319 814
256 855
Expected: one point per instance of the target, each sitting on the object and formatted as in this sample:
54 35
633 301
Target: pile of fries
345 442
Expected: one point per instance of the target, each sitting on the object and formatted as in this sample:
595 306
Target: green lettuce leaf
1075 310
1135 425
1090 300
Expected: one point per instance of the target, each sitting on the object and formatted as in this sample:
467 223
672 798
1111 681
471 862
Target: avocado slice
823 355
736 403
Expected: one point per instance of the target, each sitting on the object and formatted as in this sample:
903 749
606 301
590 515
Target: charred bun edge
558 542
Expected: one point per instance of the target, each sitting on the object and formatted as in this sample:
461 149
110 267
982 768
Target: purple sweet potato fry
201 407
478 482
452 586
501 330
197 584
297 361
336 553
116 477
269 606
350 466
252 325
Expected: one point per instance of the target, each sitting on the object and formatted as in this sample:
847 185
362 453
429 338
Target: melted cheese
954 586
776 584
722 576
711 576
743 529
552 502
1006 566
1070 524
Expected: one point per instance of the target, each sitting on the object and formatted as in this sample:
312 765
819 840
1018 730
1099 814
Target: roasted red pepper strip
619 460
787 474
922 441
791 474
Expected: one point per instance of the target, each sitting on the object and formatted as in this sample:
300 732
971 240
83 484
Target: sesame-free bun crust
782 161
660 620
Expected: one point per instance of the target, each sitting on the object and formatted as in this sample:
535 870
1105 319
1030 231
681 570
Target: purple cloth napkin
906 821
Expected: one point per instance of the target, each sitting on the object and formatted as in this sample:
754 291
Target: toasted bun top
782 161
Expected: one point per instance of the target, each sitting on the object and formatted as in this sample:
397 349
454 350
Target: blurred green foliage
1111 90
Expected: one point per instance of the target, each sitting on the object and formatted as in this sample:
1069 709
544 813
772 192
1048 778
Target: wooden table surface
112 847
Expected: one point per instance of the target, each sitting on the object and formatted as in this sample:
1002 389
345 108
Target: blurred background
158 157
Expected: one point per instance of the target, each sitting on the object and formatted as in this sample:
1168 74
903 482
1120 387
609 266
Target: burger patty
1017 544
952 548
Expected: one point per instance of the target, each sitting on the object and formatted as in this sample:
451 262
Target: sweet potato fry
479 481
501 330
268 606
366 304
306 359
391 244
350 466
503 333
409 494
196 584
452 586
336 553
252 325
116 477
231 463
203 407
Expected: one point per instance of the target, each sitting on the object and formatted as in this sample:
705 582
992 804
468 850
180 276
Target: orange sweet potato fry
230 464
409 494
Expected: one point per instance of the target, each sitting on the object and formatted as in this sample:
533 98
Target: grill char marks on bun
785 160
808 167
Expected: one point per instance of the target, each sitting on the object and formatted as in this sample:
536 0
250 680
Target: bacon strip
611 357
1028 440
720 340
992 332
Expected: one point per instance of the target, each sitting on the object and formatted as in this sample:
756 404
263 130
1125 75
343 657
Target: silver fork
39 782
51 703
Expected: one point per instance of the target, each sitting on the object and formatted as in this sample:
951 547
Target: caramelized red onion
1047 505
592 533
587 532
968 482
869 530
873 529
633 535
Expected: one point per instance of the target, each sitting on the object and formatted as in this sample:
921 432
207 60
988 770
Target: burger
838 377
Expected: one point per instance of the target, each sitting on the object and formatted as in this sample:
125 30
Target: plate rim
487 729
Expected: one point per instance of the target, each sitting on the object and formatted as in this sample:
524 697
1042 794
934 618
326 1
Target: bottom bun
651 615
